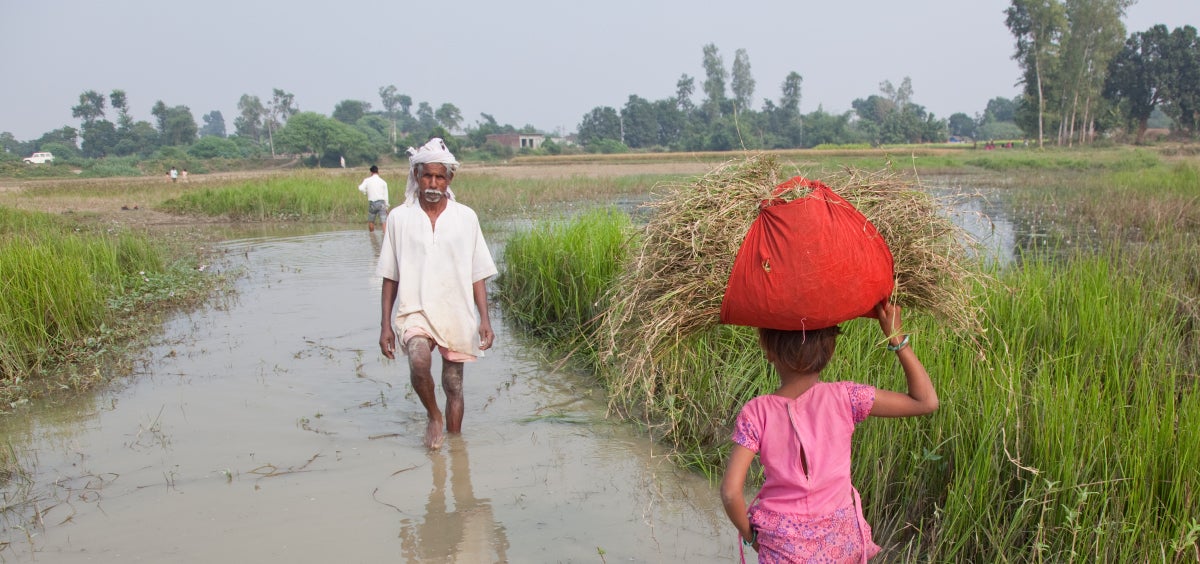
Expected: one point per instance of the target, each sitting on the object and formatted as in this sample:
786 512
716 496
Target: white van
39 158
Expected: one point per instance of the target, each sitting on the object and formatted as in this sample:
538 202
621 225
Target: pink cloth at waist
452 356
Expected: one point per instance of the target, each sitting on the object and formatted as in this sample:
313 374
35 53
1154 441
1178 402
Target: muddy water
268 428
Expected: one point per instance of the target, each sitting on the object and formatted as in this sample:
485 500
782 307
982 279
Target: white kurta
435 271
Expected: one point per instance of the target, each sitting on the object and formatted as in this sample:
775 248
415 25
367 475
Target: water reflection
466 532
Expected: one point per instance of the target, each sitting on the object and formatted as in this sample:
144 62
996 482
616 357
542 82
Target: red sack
810 263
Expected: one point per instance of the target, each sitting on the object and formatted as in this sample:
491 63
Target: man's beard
432 196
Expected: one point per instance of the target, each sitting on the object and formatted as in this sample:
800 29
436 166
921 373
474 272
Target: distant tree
1000 109
214 146
1037 26
671 122
390 98
742 81
249 123
350 111
90 108
601 124
313 133
639 124
214 124
715 76
99 138
426 120
279 110
121 103
684 88
785 120
962 125
822 128
1135 77
176 126
1182 78
449 116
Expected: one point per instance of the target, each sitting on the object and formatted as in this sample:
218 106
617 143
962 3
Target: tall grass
64 288
556 274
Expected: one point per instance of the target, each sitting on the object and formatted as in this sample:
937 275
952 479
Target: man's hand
486 337
387 342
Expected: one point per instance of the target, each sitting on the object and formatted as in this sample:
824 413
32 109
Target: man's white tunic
435 271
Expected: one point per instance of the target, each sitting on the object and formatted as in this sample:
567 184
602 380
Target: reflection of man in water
468 533
434 265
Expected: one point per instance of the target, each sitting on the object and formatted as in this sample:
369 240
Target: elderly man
435 263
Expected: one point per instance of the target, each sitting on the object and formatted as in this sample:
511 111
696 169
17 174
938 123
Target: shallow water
268 427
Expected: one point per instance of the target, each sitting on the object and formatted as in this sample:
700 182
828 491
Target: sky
543 63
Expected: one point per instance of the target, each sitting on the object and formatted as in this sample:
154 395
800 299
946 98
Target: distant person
376 190
184 175
435 265
807 509
174 174
342 160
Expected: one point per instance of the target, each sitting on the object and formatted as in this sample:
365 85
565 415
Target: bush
214 147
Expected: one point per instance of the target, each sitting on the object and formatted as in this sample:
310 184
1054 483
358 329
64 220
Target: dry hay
673 284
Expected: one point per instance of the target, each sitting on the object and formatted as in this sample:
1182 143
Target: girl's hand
888 315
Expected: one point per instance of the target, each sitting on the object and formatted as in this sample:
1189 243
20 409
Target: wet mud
267 427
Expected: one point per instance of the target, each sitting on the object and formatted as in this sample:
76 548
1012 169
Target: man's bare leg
452 384
420 362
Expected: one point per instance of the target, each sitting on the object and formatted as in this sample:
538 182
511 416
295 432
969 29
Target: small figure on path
376 190
174 174
807 510
435 264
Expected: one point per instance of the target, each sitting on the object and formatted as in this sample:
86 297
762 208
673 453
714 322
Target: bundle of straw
675 280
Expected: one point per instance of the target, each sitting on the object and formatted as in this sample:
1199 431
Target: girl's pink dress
807 510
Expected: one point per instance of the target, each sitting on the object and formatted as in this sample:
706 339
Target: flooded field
268 427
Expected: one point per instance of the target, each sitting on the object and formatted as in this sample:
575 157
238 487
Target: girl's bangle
896 348
753 537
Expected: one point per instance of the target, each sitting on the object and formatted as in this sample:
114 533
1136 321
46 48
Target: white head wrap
434 151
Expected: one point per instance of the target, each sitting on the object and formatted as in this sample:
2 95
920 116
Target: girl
807 509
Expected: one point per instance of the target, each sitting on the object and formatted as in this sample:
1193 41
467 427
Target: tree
176 126
742 82
282 107
1182 80
350 111
601 124
90 108
639 125
249 122
214 124
121 103
962 125
1136 76
391 103
214 146
310 132
1000 109
785 121
448 116
684 88
714 82
1094 34
1037 25
426 120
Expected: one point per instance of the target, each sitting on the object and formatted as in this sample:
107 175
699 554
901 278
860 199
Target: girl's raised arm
921 398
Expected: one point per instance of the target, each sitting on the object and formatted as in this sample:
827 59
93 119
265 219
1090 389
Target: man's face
432 182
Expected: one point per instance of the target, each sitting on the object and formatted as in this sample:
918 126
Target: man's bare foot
434 435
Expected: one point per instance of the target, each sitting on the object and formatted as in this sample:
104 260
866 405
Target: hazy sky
539 62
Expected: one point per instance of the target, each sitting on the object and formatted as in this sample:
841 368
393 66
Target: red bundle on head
810 263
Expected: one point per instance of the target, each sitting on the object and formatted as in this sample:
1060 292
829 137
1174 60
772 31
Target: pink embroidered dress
807 510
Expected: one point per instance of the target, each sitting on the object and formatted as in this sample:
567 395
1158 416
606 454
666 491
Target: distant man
435 263
376 190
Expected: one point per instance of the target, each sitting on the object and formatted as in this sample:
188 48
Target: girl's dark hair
802 351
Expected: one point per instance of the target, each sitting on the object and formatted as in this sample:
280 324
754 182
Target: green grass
556 274
71 293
